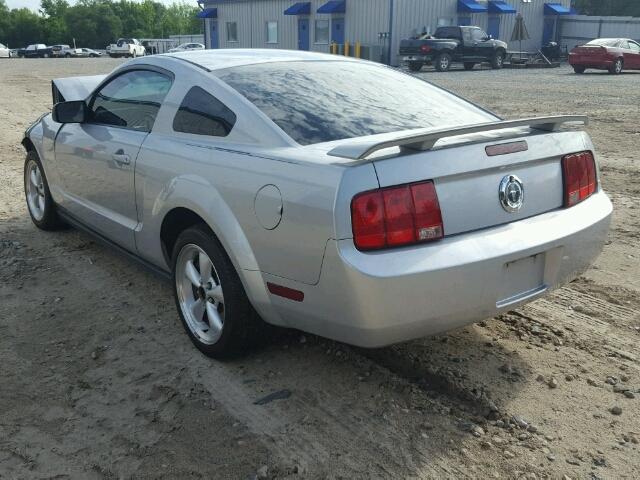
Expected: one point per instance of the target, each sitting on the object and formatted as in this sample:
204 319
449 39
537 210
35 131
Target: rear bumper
416 58
591 62
376 299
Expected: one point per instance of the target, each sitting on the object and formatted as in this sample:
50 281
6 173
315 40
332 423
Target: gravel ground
98 379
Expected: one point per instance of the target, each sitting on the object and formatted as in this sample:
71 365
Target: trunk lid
588 50
467 178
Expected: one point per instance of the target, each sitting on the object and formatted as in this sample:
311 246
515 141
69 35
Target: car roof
212 60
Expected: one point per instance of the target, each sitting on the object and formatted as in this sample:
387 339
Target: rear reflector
396 216
281 291
579 174
425 48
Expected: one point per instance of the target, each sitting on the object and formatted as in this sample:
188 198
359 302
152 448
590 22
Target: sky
35 4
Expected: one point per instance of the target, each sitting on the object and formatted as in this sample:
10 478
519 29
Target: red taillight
396 216
579 173
425 48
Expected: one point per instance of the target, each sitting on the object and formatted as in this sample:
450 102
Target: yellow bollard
334 48
358 49
346 49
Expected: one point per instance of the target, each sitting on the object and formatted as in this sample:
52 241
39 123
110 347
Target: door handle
121 158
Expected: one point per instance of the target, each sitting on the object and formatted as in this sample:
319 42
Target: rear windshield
323 101
605 42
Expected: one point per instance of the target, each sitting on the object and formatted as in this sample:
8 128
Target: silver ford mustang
323 193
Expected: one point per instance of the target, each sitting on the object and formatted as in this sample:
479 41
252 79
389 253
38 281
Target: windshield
605 42
323 101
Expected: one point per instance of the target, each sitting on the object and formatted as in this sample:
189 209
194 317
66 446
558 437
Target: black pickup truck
468 45
36 50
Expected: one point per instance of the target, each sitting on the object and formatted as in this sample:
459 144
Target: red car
613 54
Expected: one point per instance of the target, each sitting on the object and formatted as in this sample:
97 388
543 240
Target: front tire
616 68
443 62
579 70
42 209
497 61
415 66
210 298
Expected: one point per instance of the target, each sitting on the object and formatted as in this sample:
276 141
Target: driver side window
478 35
635 47
131 100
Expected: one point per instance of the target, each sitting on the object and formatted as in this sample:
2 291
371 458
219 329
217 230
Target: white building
378 25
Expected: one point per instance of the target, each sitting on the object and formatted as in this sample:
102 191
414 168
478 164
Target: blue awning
208 13
556 9
300 8
470 6
334 6
498 6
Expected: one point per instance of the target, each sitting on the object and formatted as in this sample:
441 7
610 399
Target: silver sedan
317 192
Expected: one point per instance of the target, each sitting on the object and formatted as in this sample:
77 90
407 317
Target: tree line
95 23
628 8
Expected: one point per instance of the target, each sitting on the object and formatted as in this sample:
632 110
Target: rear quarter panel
219 178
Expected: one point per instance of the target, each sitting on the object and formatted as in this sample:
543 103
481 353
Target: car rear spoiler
360 149
74 88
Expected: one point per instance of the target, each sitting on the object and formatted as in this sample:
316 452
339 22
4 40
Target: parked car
59 50
37 50
126 47
466 45
185 47
613 54
82 53
4 51
323 193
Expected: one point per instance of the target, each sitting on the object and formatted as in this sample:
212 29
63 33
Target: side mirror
70 112
489 37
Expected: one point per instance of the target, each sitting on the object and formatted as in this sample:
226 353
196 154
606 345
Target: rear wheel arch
174 223
180 218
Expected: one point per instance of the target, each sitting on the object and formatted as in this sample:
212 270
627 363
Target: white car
4 51
82 53
187 47
328 194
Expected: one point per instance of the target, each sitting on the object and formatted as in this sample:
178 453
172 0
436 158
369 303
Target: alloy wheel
200 294
35 190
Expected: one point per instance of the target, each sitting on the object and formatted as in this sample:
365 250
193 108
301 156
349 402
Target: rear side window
317 102
203 114
447 32
130 100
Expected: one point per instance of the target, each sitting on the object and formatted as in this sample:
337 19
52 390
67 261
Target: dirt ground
98 379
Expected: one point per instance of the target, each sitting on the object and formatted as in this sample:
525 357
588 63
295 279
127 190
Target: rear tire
415 66
616 68
579 70
497 61
42 209
443 62
469 65
213 306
